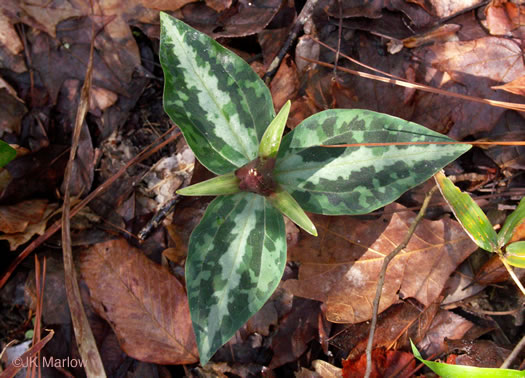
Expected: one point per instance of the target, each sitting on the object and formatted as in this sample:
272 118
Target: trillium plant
237 253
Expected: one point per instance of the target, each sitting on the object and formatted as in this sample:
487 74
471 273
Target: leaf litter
330 280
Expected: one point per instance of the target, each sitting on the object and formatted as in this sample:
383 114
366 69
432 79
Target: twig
382 275
425 88
340 28
158 218
517 349
305 14
144 154
87 347
26 358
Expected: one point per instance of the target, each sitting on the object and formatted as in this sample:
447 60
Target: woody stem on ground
305 14
515 352
382 275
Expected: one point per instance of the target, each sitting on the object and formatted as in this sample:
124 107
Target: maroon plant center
257 176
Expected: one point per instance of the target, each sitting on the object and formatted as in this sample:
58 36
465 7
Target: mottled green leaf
512 221
459 371
357 180
236 259
469 214
515 254
271 139
220 185
218 101
7 153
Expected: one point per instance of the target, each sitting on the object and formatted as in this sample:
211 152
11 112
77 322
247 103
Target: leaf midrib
236 136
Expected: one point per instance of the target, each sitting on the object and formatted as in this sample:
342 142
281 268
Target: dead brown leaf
243 18
480 353
447 8
395 327
341 267
285 85
516 86
24 220
503 18
165 5
385 364
8 36
446 324
11 113
356 8
295 332
466 67
219 5
145 305
16 218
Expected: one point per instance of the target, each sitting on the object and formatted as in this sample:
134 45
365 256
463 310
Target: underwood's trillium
237 253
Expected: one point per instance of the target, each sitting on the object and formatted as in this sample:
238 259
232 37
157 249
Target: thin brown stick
87 346
144 154
425 88
512 356
305 14
339 32
382 144
26 358
382 274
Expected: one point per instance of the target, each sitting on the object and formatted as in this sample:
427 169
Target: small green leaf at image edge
7 153
460 371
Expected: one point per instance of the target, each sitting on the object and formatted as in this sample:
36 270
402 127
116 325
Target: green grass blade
512 221
459 371
515 254
236 258
357 180
218 101
469 214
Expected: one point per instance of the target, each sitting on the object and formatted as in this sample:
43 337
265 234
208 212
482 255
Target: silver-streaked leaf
236 258
357 180
218 101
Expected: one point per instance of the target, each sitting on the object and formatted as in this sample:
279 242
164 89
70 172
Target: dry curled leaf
341 266
516 86
145 305
24 220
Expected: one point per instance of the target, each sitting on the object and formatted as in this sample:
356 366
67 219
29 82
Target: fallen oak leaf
516 86
346 280
145 305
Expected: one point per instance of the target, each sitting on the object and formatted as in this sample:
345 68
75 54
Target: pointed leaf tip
220 185
511 223
468 213
236 258
271 139
287 205
220 104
